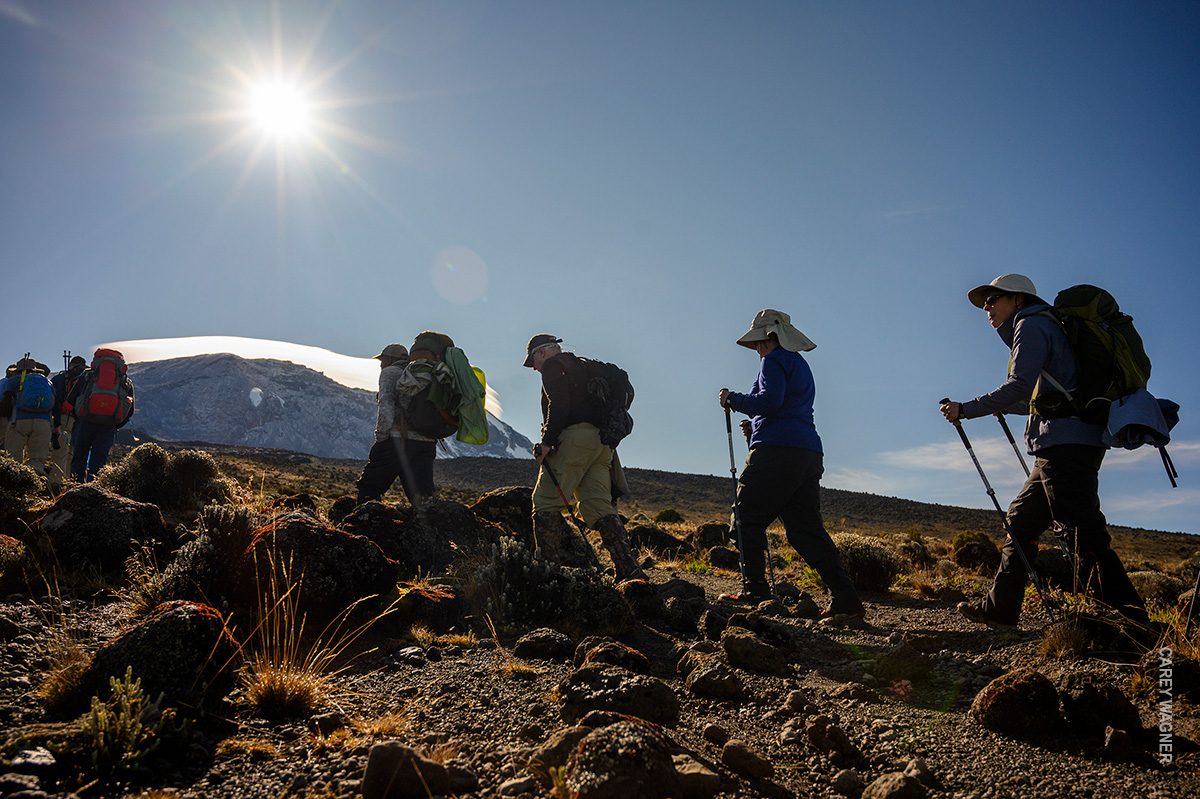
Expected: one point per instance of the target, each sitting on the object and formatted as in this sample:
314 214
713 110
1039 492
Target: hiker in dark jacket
1063 485
782 475
397 451
94 437
571 453
63 421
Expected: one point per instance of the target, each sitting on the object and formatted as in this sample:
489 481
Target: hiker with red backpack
63 420
1063 487
28 392
781 478
584 416
102 403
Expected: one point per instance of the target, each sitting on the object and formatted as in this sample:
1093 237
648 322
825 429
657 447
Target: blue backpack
35 394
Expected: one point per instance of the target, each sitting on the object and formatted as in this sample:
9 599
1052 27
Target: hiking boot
973 612
751 594
616 541
841 606
556 542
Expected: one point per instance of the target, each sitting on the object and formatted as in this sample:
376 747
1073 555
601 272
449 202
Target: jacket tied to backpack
440 398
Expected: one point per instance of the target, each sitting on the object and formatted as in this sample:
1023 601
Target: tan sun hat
1011 283
768 321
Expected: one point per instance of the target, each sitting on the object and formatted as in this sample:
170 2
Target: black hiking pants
411 461
785 483
1063 486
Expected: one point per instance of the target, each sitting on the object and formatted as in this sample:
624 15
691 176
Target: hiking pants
583 467
785 483
60 459
92 443
405 458
1063 486
28 441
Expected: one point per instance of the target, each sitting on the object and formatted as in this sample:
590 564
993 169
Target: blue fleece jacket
781 402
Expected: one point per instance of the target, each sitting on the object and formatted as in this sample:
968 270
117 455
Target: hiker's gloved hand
723 398
952 411
541 452
747 429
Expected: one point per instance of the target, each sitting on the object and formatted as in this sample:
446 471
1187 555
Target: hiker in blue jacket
782 475
28 428
1063 485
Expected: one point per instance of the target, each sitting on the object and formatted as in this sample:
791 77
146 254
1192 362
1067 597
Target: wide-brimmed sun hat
769 321
397 351
540 340
1012 283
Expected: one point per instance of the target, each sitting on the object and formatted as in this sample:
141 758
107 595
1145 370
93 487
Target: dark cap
78 360
397 351
540 340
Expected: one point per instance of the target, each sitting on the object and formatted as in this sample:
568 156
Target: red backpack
107 396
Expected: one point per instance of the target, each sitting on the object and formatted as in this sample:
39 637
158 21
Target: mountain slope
224 399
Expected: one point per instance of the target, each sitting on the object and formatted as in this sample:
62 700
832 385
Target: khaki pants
60 459
582 465
28 441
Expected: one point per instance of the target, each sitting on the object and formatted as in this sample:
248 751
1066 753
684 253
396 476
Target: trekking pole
991 492
737 514
1057 528
1169 466
66 359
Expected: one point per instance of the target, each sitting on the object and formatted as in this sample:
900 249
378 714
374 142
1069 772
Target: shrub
181 483
19 485
1158 589
127 730
204 568
971 536
869 562
668 515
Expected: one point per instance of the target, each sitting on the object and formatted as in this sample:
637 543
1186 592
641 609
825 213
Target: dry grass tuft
390 725
1066 639
249 748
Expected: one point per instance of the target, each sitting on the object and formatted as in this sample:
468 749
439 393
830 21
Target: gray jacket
1037 343
387 398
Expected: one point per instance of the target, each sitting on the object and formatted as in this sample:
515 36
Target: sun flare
280 109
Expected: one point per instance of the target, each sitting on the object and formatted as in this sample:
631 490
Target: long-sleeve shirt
1036 343
780 403
565 399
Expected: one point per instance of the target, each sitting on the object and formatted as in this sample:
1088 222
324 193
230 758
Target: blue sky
639 178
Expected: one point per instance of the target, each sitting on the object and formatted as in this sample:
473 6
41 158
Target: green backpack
1109 356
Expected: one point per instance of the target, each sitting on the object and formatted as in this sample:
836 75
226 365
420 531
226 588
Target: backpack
1109 356
34 394
611 394
429 385
107 395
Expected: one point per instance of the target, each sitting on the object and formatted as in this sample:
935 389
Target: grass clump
128 730
971 537
181 483
667 515
871 564
19 488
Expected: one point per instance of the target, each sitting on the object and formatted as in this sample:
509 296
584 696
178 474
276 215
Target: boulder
725 558
626 760
746 651
182 650
643 598
1092 704
683 614
511 508
738 757
1020 703
895 785
712 534
617 654
602 687
394 771
1158 589
555 752
544 644
710 678
90 527
425 541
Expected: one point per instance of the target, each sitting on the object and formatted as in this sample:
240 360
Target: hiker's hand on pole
952 411
542 452
747 428
723 398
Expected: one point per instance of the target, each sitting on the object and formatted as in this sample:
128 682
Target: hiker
397 451
28 392
1063 486
63 421
782 474
574 463
102 403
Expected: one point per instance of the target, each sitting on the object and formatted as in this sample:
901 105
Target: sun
280 109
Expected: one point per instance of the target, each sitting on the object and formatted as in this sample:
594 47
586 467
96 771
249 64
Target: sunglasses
992 299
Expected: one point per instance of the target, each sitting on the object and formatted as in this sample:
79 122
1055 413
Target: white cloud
1181 453
951 456
1151 501
849 479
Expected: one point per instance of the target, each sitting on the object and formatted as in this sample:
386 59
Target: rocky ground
741 702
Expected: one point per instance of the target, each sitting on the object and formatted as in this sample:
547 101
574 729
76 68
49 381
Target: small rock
741 759
895 786
696 781
1118 746
917 769
517 786
847 782
796 701
395 771
34 761
715 734
544 644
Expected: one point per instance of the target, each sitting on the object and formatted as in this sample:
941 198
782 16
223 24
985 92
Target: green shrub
970 536
19 487
180 483
668 515
128 730
871 564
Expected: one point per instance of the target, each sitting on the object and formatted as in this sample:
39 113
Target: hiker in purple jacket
1064 484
